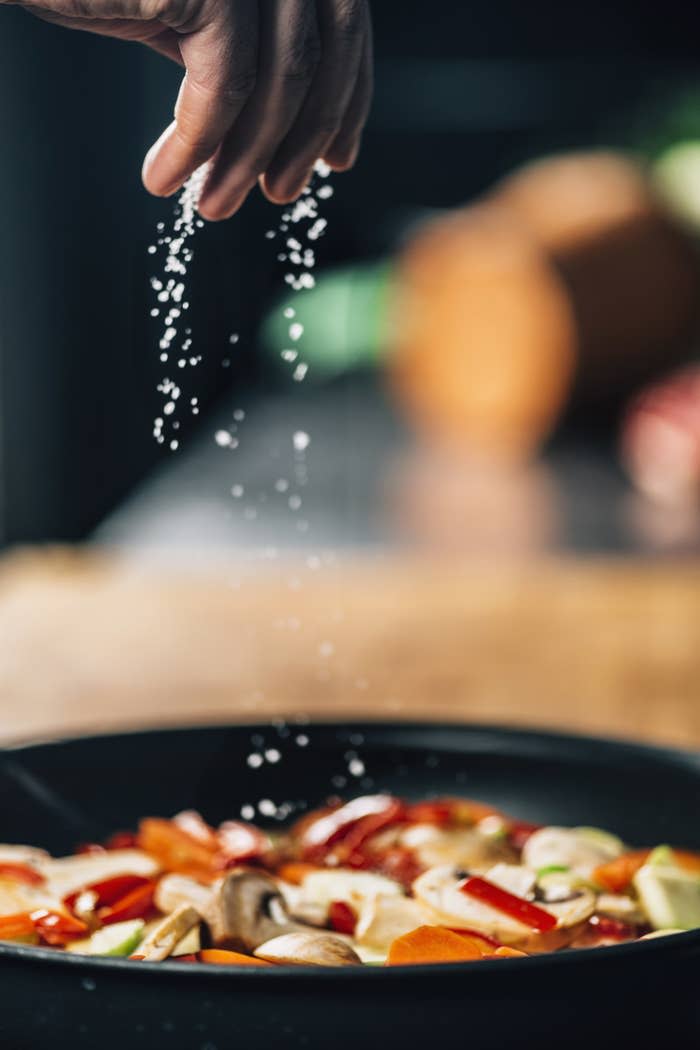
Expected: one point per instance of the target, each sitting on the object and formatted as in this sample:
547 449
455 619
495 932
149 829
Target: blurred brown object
569 281
660 440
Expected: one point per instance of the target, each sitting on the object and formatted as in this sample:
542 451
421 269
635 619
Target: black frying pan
632 995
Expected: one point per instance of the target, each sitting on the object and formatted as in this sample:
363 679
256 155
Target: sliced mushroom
514 878
165 937
439 891
174 891
17 897
11 854
383 919
245 910
323 887
580 849
620 907
66 874
308 949
461 847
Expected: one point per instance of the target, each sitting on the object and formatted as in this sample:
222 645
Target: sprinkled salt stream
171 290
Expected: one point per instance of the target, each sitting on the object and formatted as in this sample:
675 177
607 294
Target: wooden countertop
87 642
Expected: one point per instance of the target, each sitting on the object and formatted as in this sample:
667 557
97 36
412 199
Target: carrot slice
220 957
687 860
504 952
17 927
174 848
295 871
617 874
432 944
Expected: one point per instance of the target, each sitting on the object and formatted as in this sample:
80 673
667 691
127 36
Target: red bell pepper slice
519 831
107 891
21 873
122 840
342 917
136 904
438 812
488 893
338 825
56 929
396 863
611 929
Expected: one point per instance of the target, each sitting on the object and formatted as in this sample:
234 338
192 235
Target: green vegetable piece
669 896
661 855
552 869
121 938
675 176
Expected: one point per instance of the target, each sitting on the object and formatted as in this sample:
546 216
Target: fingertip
214 210
342 157
156 172
284 187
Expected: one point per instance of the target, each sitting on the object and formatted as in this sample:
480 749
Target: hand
270 86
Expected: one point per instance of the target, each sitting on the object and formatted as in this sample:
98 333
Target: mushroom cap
247 909
308 949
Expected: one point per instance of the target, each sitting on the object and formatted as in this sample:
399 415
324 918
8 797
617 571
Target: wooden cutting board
88 642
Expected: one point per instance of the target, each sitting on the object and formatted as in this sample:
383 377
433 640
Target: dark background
464 91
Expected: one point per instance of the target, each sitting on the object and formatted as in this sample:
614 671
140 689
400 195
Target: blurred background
502 342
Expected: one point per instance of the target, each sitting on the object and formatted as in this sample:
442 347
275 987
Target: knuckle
240 85
300 62
194 139
348 18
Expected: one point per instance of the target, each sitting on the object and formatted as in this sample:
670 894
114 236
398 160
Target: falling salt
296 330
223 438
301 440
171 290
247 812
237 491
290 312
281 485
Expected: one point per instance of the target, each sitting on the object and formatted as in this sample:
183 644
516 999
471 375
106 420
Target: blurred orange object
568 281
485 336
